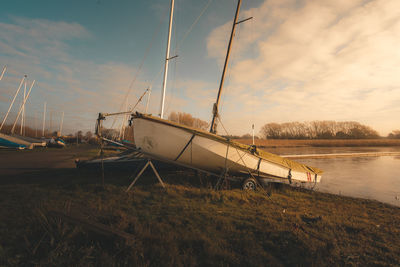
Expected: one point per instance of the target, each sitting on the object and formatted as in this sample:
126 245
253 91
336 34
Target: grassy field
321 142
188 224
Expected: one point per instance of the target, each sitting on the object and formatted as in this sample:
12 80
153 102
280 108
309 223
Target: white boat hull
166 141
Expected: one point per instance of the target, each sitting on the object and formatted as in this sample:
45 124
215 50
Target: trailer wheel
249 184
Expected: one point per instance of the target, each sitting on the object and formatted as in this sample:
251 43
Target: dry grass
189 224
321 142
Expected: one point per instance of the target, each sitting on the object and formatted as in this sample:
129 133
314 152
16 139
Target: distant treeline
318 130
188 119
395 134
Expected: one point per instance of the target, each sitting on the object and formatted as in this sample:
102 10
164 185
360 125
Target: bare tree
318 130
188 119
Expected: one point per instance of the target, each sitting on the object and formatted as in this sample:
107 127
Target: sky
296 60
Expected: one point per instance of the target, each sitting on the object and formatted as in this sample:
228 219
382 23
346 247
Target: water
365 177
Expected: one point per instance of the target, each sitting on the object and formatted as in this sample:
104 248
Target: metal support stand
141 172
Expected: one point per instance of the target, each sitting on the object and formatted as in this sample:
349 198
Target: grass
321 142
188 224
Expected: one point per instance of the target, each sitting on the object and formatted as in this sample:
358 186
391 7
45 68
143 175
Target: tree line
318 130
188 119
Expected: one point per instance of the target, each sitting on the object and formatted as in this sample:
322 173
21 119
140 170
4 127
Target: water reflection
366 177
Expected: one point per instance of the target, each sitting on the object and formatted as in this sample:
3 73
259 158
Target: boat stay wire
178 45
152 41
193 24
182 40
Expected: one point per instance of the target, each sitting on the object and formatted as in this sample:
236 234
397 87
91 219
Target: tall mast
213 128
23 104
61 124
12 102
166 61
2 72
21 132
44 118
148 99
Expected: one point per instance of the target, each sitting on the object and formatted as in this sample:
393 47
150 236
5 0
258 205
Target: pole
166 61
51 121
2 73
36 124
19 113
148 99
215 107
253 133
44 118
62 120
12 102
122 129
23 111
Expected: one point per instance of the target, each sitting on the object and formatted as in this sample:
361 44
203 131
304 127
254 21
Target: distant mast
61 124
12 102
2 72
167 58
213 128
44 118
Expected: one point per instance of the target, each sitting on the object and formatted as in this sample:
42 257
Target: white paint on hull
167 141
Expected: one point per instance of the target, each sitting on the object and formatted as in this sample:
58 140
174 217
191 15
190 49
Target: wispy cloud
316 60
82 88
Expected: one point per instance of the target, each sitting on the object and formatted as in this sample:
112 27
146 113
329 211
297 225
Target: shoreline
281 143
187 224
341 155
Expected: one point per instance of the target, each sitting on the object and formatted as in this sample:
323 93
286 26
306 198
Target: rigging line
184 37
155 33
233 60
155 77
177 46
222 125
193 24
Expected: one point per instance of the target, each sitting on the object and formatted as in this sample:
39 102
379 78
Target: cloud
314 60
82 88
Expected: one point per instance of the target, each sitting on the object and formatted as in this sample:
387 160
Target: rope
244 164
193 24
226 132
140 66
177 46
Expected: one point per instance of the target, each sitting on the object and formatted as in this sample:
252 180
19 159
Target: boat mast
166 61
213 128
44 118
148 99
12 102
62 121
2 73
21 132
23 104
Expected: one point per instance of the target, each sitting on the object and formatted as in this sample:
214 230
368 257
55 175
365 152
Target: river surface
365 177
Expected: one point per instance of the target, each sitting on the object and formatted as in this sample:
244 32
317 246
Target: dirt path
14 162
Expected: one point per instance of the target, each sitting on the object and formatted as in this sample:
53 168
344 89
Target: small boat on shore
20 142
211 152
56 142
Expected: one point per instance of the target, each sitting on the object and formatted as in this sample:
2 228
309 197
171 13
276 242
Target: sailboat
13 140
213 153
